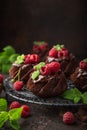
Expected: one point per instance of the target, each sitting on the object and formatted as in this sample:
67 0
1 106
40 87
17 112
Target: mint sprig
7 57
12 57
58 47
84 97
38 66
35 74
20 59
75 95
12 115
3 104
3 118
9 50
14 124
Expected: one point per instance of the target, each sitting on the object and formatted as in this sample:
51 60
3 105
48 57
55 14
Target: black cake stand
26 96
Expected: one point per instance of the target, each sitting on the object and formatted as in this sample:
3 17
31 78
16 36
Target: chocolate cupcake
79 77
23 66
41 48
47 80
66 59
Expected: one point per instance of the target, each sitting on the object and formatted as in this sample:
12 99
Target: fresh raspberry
18 85
53 53
36 48
83 65
45 70
25 111
63 49
27 59
63 53
1 78
54 67
60 54
43 46
68 118
15 104
34 58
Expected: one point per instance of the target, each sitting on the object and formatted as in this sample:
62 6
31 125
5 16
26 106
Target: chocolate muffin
41 48
66 59
47 80
23 66
79 77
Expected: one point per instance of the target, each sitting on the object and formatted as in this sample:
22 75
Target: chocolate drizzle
48 86
25 71
81 72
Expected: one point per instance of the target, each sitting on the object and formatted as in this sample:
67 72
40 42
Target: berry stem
17 75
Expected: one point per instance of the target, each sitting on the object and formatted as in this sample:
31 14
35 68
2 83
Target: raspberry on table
25 110
15 104
68 118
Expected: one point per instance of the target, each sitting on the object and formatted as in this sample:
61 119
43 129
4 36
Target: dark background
64 21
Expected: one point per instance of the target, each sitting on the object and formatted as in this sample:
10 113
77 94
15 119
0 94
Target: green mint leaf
9 50
3 118
7 57
84 97
1 53
35 74
13 57
39 42
68 94
85 59
14 124
72 94
4 59
5 68
77 99
3 104
20 59
38 66
15 114
77 95
77 92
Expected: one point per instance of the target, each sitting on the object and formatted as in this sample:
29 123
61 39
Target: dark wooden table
46 118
